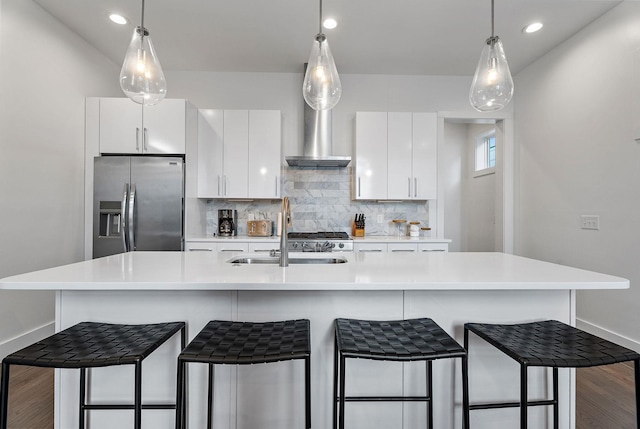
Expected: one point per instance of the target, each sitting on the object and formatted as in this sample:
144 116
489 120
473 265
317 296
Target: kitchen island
451 288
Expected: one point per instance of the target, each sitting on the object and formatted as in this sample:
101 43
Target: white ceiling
415 37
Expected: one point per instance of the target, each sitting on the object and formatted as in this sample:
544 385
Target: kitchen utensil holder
357 232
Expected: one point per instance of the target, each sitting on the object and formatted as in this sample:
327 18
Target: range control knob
341 245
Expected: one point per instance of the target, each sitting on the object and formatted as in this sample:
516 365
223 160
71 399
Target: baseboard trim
608 335
26 339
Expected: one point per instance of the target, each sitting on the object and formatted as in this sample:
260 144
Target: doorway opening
475 182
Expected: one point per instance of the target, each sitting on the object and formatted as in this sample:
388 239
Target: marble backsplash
320 200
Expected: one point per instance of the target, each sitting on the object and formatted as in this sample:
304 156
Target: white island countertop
386 271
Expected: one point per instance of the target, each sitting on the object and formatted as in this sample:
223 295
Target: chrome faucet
284 241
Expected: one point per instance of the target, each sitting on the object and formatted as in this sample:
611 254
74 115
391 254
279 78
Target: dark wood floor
605 398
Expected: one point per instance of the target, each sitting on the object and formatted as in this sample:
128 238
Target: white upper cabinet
395 156
424 157
239 154
371 156
130 128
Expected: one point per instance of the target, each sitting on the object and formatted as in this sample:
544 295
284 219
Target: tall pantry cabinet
395 156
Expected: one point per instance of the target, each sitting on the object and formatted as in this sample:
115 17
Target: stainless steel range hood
317 145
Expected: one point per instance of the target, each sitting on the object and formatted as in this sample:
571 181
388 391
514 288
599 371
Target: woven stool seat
414 339
551 344
395 340
242 343
224 342
92 345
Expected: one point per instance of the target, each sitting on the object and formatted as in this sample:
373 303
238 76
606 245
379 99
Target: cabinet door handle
219 180
137 139
409 186
276 186
370 250
415 187
403 250
145 139
359 188
433 250
224 185
200 250
231 250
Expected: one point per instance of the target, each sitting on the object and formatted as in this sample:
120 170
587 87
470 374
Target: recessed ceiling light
532 28
330 23
118 19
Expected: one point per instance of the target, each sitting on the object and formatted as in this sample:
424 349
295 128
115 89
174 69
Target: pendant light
141 77
321 87
492 86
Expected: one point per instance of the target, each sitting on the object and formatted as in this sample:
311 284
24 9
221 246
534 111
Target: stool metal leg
335 384
307 391
341 393
4 396
180 394
523 397
210 396
138 396
429 395
82 400
465 389
636 366
556 411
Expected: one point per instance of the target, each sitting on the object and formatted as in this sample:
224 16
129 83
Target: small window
486 152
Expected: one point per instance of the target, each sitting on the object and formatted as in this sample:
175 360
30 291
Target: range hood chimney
317 145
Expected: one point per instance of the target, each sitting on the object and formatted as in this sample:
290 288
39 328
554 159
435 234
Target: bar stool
91 345
550 344
243 343
397 340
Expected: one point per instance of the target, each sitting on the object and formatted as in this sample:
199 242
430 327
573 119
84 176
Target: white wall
45 73
574 116
452 158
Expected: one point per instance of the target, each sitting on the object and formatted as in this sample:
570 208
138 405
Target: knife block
356 232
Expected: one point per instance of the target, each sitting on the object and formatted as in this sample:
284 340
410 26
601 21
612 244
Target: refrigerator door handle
123 217
131 213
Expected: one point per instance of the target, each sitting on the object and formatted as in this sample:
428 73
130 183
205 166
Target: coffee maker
227 222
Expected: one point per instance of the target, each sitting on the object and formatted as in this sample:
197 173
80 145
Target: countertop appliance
138 204
319 242
227 222
259 228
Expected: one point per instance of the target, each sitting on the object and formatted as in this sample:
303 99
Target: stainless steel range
319 242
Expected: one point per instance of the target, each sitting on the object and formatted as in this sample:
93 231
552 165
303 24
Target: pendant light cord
320 21
492 32
142 17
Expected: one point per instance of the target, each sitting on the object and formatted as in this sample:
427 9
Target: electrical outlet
590 221
380 219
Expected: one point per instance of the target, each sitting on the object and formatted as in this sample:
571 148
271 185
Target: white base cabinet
130 128
239 154
399 247
395 156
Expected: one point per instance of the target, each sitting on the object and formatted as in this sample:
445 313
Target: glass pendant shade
141 77
321 87
492 86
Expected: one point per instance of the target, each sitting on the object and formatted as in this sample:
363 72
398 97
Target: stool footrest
492 405
386 398
128 406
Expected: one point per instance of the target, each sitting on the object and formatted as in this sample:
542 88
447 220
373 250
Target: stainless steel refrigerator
138 204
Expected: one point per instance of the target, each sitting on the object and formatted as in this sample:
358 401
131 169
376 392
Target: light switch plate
590 221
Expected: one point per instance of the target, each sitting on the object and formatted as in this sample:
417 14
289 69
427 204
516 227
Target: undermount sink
292 260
